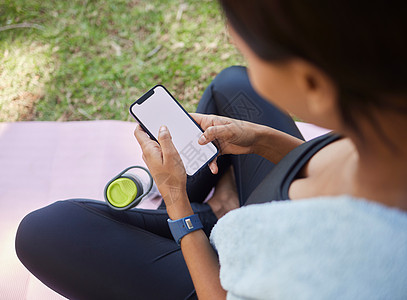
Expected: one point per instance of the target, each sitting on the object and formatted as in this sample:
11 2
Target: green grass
91 59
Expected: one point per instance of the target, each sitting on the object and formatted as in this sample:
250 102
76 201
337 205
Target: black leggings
84 250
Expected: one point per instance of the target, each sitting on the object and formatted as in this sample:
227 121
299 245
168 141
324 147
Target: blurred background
90 59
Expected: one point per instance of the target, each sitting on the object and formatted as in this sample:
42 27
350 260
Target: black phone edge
144 98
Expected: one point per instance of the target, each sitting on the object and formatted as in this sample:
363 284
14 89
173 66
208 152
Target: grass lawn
89 59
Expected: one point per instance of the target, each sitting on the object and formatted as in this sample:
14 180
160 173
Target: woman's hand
232 136
167 169
241 137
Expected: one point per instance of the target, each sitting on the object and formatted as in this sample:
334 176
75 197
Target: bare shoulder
327 172
332 154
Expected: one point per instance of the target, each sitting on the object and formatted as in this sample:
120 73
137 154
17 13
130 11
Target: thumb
165 140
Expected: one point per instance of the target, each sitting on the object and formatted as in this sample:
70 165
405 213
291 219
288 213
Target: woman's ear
320 94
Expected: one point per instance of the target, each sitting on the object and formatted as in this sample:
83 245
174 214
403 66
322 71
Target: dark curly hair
361 45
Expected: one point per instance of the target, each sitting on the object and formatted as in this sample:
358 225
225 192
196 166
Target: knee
229 79
28 234
35 234
228 91
26 242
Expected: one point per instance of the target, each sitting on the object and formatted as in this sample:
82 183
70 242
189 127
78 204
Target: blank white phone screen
161 109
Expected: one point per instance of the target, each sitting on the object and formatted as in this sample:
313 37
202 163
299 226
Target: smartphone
158 107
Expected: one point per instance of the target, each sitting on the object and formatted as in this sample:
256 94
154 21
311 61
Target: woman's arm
199 256
240 137
273 144
169 174
203 265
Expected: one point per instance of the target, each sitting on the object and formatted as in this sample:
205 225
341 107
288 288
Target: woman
338 65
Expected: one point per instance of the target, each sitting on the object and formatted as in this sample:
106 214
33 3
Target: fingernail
163 132
202 139
212 169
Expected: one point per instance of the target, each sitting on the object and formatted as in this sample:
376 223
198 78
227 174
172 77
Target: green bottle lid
121 192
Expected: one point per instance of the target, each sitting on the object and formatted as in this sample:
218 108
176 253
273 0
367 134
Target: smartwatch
181 227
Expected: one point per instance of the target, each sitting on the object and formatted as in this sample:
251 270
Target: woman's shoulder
316 247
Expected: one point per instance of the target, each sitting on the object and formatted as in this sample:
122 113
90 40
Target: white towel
321 248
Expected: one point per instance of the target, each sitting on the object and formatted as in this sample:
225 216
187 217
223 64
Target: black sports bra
275 185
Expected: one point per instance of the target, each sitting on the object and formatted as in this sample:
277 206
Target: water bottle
129 188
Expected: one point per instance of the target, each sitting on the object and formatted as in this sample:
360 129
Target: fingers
141 136
213 166
167 147
203 120
206 121
221 132
149 147
197 117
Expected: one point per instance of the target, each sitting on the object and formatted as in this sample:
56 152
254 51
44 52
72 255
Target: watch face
189 223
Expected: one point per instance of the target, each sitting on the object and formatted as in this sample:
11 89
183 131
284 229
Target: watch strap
181 227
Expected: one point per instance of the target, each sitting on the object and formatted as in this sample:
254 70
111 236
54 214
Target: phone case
158 107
